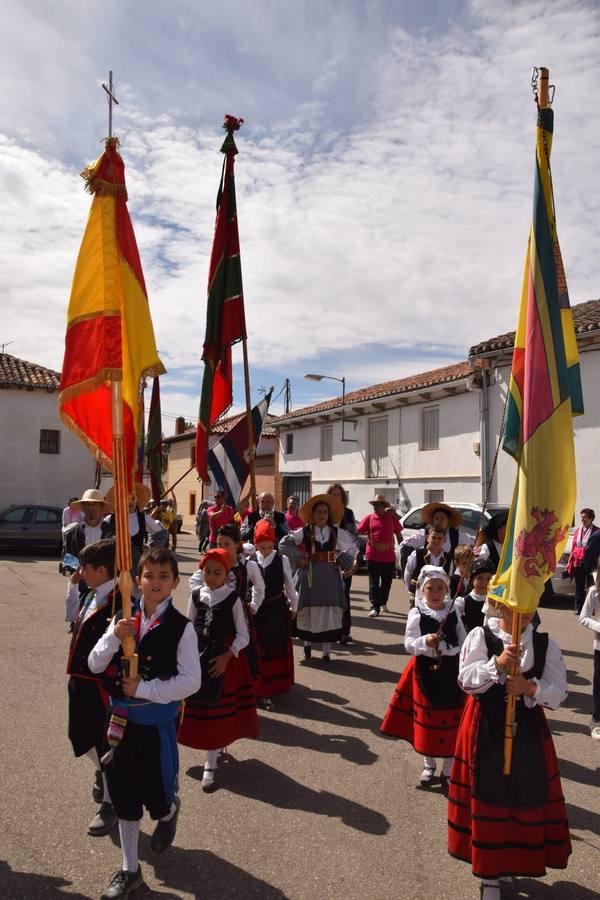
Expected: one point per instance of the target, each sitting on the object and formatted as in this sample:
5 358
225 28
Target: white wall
28 476
453 468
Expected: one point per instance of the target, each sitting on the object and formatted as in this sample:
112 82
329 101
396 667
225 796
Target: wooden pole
253 496
511 701
543 81
123 539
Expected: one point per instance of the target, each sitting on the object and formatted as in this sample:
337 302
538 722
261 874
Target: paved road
321 806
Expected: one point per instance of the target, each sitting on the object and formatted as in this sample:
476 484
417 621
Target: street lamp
342 381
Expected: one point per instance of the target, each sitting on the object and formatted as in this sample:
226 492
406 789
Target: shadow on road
32 886
202 874
285 734
559 726
304 705
574 772
256 780
560 890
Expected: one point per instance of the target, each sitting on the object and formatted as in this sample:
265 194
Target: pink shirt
381 531
294 522
224 517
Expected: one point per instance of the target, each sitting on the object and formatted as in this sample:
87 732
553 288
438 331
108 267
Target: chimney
179 425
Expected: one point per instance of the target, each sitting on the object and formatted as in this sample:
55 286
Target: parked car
560 583
24 526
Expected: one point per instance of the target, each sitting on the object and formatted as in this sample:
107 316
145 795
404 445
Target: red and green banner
225 320
154 443
109 329
544 395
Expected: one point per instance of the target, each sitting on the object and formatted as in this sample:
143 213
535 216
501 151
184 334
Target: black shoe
444 781
267 704
122 884
164 833
98 788
103 822
307 651
326 659
346 639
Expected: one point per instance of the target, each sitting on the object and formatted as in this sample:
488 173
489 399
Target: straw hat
379 498
142 495
92 496
454 517
336 508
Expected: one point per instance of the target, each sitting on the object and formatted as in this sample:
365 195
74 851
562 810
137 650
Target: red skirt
276 671
411 717
498 840
214 727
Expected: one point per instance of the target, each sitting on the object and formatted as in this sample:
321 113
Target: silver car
26 526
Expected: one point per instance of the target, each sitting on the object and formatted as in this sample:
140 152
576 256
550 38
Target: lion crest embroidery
538 546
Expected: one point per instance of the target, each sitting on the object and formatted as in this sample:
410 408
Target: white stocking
326 647
129 833
93 755
211 759
429 762
447 766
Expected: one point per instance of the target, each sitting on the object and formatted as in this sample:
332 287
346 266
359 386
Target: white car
561 584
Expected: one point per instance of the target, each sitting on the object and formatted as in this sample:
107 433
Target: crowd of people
266 578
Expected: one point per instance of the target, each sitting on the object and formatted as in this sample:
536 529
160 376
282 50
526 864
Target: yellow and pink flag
109 328
544 395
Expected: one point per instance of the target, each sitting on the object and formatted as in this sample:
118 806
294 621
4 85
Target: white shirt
180 686
478 673
73 600
288 583
71 517
344 543
257 592
411 565
589 615
212 598
483 551
460 601
416 643
92 533
419 539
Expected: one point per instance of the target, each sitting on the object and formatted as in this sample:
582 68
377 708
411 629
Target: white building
432 436
41 461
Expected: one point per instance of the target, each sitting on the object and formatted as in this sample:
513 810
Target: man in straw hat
444 516
92 528
382 528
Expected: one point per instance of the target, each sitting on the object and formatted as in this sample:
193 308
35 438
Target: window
49 441
430 428
414 521
289 443
327 442
434 496
297 486
192 505
193 455
47 515
17 515
378 447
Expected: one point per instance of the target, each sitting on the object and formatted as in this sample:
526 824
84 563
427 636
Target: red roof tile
433 378
223 426
19 373
586 317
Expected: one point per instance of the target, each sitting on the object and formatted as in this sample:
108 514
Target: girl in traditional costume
590 618
426 706
471 606
329 551
273 619
506 825
224 709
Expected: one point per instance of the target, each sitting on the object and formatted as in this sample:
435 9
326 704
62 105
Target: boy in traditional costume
142 763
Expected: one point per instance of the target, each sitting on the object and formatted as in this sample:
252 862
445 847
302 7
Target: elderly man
266 510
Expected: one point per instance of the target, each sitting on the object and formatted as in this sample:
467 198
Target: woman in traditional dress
329 551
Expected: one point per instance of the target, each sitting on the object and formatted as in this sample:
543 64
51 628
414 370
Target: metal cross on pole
111 99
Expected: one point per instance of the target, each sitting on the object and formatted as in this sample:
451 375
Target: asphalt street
320 806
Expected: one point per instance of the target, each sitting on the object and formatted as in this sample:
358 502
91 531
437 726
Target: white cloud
387 203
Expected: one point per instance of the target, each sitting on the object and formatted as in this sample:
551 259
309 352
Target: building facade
432 436
41 461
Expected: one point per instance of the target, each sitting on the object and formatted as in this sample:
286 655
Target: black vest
330 543
157 652
438 677
138 539
473 616
494 556
527 784
215 629
87 634
422 559
273 578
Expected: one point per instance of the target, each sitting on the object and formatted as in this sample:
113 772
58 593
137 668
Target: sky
384 176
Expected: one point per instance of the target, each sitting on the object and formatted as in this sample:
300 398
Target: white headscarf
429 573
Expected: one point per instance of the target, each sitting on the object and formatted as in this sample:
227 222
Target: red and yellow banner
109 328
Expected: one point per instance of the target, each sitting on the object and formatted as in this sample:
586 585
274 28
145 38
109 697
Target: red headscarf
217 555
263 531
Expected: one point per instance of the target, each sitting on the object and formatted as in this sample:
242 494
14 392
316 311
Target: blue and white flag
228 464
